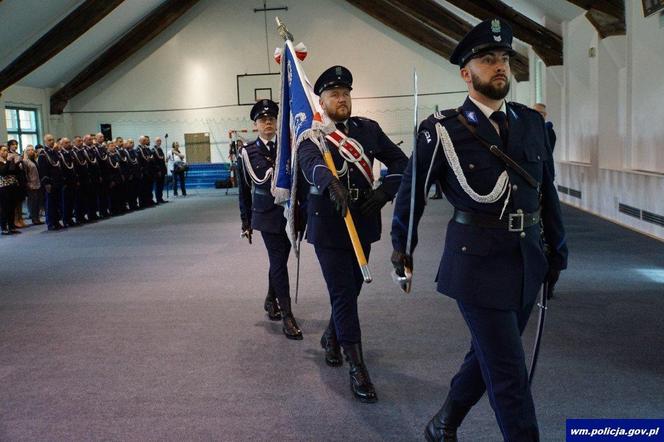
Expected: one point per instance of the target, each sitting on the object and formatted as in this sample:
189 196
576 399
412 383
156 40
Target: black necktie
501 119
342 127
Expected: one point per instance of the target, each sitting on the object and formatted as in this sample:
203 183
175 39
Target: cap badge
495 26
338 71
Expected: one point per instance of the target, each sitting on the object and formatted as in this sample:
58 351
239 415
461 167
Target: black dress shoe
272 309
290 328
14 232
331 346
443 426
6 232
360 382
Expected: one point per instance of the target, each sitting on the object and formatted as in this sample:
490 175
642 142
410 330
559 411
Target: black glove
246 225
400 261
375 202
552 278
339 196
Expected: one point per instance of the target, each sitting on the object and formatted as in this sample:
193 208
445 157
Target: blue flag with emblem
295 122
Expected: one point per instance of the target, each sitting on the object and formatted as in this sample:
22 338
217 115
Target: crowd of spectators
73 182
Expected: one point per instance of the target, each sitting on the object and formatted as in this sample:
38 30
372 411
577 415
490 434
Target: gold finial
281 28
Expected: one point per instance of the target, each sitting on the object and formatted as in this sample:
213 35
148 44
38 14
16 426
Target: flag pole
327 156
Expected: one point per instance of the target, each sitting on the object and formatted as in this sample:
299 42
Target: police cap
488 35
262 108
333 77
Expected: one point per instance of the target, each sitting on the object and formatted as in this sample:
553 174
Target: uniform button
538 157
464 248
515 187
519 211
523 234
316 213
351 169
471 166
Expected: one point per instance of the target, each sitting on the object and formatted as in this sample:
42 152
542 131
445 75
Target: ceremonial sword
405 281
540 330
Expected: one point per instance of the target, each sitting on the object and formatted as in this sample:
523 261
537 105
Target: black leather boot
360 382
290 327
443 426
331 346
271 306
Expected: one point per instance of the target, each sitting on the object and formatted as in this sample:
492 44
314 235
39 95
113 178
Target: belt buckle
510 224
354 193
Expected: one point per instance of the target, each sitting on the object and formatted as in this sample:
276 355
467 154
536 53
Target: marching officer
494 162
51 174
360 140
258 211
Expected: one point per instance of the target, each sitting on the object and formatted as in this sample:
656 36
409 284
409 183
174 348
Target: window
23 126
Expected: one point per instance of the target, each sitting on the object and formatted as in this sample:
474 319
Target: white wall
195 64
610 131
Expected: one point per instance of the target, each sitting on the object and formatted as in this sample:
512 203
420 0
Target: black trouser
8 202
278 248
68 203
92 198
344 281
178 176
34 197
496 364
145 190
53 206
159 187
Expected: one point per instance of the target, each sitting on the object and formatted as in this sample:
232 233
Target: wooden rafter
440 19
137 37
55 40
546 43
390 14
607 16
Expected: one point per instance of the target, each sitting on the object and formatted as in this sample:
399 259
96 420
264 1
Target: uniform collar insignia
471 116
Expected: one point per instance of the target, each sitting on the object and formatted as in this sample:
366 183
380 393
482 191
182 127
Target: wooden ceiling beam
546 43
440 19
55 40
607 16
137 37
387 12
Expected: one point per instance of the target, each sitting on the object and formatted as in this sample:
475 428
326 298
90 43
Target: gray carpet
150 327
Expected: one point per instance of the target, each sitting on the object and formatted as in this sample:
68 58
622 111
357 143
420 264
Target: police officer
95 178
361 140
159 160
146 161
81 165
258 211
70 182
51 175
494 260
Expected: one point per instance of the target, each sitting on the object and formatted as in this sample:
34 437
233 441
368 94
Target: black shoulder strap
509 162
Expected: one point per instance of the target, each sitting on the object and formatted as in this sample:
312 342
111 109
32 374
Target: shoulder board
440 116
521 106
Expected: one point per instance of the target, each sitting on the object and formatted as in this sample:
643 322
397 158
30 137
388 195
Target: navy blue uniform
159 161
70 186
144 155
493 273
94 170
326 228
104 194
257 209
50 173
81 165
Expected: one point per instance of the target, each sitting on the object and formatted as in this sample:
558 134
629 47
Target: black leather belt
512 222
355 195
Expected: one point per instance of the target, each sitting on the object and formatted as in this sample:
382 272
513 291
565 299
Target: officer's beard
488 89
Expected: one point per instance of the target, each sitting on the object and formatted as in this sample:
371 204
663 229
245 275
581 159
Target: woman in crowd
178 167
9 190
